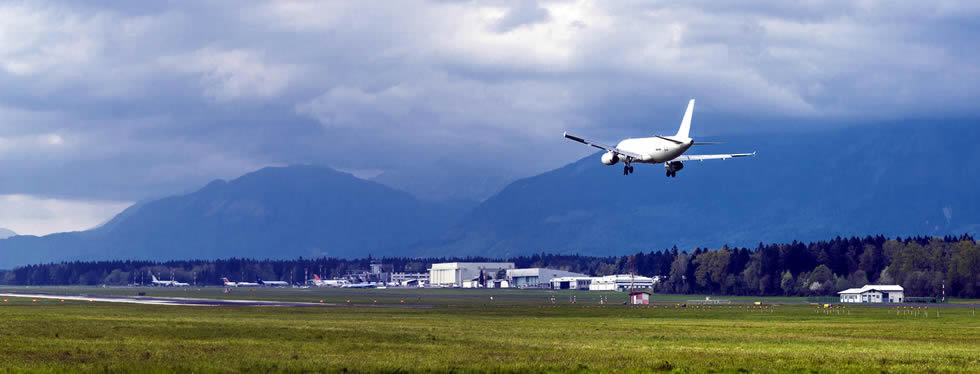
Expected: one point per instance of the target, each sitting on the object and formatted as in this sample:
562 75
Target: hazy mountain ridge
447 181
907 179
6 233
274 212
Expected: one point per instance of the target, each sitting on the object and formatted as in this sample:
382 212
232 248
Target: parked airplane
326 282
653 150
169 283
271 283
360 285
229 283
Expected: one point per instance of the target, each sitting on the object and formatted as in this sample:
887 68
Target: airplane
169 283
271 283
229 283
326 282
668 150
360 285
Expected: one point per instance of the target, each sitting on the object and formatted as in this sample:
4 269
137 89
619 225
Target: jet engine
610 158
672 168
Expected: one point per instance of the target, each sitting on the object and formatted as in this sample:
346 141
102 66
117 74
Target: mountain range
6 233
276 212
916 178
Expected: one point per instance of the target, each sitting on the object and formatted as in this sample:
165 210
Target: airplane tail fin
153 276
316 277
685 130
259 280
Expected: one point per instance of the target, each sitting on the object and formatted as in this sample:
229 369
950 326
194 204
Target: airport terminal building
618 282
537 277
621 282
461 274
571 283
410 279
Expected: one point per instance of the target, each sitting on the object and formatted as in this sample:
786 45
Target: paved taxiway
192 301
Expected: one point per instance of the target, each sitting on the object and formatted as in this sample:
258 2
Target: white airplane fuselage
228 283
272 283
655 150
169 283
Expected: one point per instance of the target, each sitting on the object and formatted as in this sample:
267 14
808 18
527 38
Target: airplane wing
604 147
712 157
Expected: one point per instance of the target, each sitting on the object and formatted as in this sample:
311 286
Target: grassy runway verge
465 331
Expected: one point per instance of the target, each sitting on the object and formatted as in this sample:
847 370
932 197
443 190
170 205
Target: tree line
923 265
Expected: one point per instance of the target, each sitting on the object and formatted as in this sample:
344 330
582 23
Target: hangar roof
874 287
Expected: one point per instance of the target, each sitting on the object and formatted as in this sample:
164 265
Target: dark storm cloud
125 100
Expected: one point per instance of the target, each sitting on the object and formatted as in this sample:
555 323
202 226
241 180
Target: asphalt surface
701 302
148 300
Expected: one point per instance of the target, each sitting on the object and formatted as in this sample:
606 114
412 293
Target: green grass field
465 331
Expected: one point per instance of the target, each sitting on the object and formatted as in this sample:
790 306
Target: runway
181 301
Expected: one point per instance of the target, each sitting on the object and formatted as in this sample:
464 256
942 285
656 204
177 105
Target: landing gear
672 168
627 170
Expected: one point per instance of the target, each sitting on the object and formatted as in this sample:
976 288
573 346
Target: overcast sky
108 103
